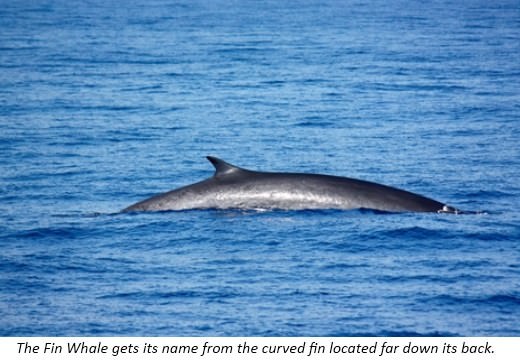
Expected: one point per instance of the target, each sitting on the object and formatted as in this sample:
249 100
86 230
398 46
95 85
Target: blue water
104 103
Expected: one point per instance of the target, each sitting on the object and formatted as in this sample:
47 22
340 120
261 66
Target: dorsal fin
222 167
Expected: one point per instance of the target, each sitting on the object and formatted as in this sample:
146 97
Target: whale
233 187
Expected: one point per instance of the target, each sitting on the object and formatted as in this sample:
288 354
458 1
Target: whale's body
232 187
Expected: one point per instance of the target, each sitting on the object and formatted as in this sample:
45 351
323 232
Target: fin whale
232 187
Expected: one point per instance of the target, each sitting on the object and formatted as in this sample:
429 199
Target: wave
177 294
415 232
508 301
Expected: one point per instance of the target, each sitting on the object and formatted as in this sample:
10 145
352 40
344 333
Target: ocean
105 103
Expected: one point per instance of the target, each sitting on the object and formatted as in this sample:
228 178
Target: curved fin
222 167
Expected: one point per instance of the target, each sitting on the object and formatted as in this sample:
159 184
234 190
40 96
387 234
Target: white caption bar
220 348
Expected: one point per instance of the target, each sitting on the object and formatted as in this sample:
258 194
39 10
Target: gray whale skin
232 187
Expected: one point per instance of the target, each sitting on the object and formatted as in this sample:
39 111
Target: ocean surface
104 103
